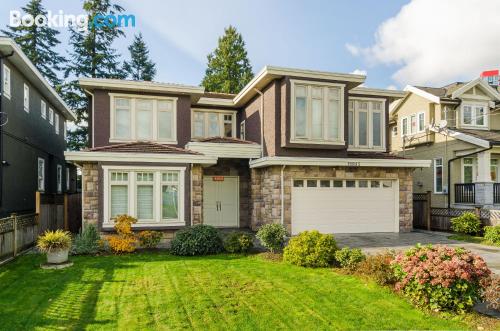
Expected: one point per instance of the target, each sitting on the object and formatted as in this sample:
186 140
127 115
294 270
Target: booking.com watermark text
79 22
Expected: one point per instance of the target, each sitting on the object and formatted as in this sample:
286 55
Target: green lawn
157 291
471 239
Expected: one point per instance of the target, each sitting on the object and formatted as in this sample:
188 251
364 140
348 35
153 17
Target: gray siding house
32 134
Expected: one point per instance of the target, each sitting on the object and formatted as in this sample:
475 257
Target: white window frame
243 130
43 109
56 123
41 177
220 113
420 120
474 169
474 105
59 178
435 177
395 131
308 138
7 82
65 130
405 126
133 118
132 184
369 124
446 110
51 116
408 126
26 98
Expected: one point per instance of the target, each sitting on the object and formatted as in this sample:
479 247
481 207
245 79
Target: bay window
152 195
474 115
218 123
143 118
366 124
317 113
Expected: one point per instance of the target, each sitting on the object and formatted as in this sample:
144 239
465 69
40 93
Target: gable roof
478 81
28 69
141 147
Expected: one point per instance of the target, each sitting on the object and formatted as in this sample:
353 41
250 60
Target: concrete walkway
372 243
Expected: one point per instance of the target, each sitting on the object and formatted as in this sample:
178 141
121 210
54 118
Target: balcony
465 193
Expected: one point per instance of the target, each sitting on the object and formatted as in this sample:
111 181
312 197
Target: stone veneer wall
90 192
266 190
197 194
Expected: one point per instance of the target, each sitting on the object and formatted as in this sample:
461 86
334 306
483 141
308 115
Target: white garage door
345 206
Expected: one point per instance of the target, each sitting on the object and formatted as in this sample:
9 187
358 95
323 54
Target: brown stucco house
457 126
307 149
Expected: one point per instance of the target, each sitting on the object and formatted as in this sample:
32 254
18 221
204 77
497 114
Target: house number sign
218 178
353 164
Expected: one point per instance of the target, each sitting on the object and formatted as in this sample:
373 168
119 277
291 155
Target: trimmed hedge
311 249
197 240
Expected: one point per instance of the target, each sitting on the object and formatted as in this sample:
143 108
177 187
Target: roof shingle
226 140
141 147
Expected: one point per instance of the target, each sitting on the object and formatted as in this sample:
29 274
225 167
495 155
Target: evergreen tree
140 67
228 69
38 43
92 56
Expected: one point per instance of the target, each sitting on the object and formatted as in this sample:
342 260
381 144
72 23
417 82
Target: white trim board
226 150
462 136
341 162
139 157
478 81
422 93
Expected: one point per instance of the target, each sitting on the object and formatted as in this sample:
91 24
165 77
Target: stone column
197 194
484 184
90 193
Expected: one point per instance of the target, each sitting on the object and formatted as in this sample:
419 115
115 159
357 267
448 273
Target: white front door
221 201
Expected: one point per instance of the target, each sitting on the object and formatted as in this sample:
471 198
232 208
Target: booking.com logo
79 22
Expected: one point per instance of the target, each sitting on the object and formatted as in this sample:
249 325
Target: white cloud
436 42
392 87
359 72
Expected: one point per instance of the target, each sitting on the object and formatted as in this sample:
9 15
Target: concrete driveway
372 243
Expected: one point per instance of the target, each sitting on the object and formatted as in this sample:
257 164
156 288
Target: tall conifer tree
140 66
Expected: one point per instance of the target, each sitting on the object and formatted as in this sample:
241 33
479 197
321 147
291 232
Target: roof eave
24 65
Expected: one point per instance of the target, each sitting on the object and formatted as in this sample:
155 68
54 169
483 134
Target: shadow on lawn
52 299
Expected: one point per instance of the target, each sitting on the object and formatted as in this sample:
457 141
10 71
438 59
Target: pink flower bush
441 277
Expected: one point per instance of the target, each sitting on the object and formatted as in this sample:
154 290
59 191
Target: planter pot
57 257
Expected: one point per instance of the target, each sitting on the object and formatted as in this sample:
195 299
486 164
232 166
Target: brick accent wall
197 193
266 190
90 191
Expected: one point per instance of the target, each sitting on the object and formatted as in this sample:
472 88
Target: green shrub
149 239
238 242
53 241
440 277
311 249
197 240
467 223
492 234
349 258
272 236
87 241
378 267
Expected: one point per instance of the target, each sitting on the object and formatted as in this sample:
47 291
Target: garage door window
298 183
324 183
312 183
375 184
386 184
339 183
350 183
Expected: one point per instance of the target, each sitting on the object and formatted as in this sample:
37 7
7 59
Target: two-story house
457 127
307 149
32 134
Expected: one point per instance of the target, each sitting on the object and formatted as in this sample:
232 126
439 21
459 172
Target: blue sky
340 36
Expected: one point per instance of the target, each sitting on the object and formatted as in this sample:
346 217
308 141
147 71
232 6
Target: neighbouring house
457 127
307 149
32 134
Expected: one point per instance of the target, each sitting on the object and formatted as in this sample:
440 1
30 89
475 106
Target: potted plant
56 244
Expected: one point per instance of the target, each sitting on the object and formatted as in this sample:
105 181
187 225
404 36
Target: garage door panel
344 210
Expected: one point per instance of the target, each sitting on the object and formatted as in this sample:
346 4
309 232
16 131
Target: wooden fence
422 210
52 211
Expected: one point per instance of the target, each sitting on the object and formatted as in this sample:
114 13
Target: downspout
1 133
191 192
282 195
93 117
449 169
261 122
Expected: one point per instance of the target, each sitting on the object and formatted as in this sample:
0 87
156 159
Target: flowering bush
311 249
492 234
467 223
149 239
492 293
441 277
124 241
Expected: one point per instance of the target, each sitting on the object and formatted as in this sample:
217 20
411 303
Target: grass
157 291
472 239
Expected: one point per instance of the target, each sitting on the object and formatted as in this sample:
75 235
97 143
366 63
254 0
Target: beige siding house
457 127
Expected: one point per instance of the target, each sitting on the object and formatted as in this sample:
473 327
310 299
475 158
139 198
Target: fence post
14 241
37 202
477 211
428 213
66 226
